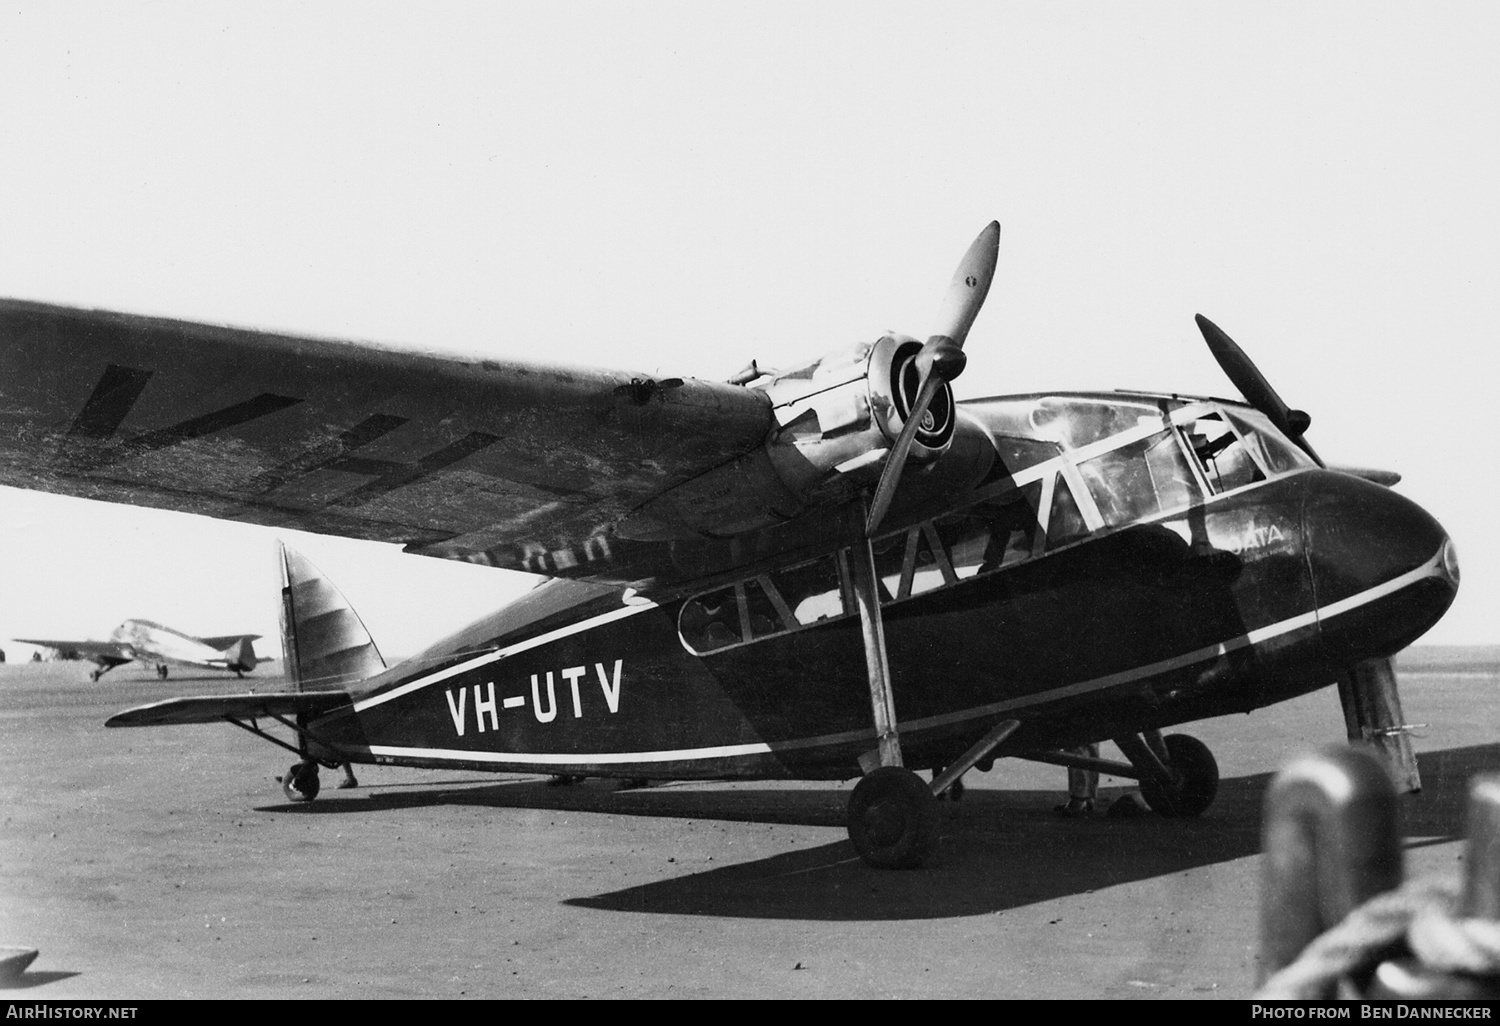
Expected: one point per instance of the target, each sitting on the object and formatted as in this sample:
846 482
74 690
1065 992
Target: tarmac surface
165 863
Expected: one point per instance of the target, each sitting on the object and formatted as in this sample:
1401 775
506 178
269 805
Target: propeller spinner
942 357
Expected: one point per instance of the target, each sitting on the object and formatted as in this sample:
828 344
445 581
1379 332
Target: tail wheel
1197 780
301 782
893 819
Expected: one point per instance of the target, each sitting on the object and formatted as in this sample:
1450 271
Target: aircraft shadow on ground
1001 849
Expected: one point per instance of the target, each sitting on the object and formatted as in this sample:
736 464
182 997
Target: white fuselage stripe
1432 568
501 653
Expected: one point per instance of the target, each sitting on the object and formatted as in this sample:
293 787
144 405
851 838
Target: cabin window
711 621
1139 479
764 612
1225 461
992 534
890 555
927 561
1016 454
1076 421
812 591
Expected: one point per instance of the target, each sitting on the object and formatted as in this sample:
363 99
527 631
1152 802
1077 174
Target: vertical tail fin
240 654
325 643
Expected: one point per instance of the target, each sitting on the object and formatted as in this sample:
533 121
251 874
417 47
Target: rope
1417 920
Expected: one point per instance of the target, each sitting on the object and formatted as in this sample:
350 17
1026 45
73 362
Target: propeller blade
896 462
971 283
1253 385
942 357
940 361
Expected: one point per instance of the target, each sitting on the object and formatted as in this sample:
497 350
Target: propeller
1254 386
1372 706
941 358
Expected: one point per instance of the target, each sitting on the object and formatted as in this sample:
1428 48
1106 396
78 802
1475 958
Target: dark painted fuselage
1117 563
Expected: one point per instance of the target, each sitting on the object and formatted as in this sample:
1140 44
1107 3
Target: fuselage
1113 562
152 642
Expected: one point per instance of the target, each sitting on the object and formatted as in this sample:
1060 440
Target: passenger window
1225 461
811 590
1064 523
710 621
890 555
992 534
761 609
1139 479
926 565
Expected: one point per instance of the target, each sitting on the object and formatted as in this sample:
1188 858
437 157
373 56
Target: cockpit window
1139 479
1278 454
1225 461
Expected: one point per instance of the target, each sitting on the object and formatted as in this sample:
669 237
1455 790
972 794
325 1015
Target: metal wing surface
214 708
469 458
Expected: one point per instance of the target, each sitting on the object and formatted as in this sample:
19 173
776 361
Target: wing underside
468 458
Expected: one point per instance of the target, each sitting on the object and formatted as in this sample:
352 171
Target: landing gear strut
1178 774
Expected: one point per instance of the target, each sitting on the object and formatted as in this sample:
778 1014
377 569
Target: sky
676 188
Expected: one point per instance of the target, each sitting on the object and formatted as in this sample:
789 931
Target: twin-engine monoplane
156 645
835 570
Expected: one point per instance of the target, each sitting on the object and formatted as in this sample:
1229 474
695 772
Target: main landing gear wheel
301 782
1198 780
893 819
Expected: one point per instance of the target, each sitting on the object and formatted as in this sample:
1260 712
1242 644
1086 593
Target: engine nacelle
835 420
838 416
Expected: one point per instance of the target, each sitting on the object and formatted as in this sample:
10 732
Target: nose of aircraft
1383 570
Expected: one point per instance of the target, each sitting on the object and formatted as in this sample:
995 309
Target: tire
893 819
301 782
1199 773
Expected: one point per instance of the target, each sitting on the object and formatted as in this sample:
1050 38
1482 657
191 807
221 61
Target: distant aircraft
148 642
831 571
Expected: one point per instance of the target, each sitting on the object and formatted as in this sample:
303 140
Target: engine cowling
837 417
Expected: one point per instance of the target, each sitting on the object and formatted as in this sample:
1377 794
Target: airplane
149 642
827 572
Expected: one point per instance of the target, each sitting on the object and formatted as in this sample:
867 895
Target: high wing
214 708
106 653
466 458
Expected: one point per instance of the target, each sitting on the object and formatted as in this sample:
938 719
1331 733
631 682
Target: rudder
323 639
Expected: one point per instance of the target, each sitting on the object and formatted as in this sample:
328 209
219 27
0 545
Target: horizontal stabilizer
213 708
229 639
